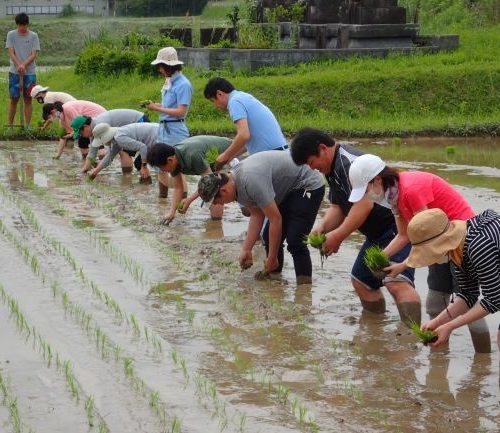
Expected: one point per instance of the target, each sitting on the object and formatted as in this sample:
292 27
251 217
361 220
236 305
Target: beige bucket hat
103 134
432 235
167 56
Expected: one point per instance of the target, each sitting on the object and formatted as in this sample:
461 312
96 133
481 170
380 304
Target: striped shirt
480 270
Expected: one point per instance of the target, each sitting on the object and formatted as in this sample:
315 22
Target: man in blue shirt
257 129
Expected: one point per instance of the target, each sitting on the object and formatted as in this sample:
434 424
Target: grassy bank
447 93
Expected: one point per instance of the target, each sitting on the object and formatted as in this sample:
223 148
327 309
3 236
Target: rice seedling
426 336
396 141
376 260
212 154
90 410
450 150
316 240
176 425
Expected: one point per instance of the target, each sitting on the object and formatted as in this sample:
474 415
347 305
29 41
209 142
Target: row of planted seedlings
260 376
10 403
51 357
139 330
90 326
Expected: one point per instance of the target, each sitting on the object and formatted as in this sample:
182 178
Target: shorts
28 80
362 274
83 142
441 278
144 119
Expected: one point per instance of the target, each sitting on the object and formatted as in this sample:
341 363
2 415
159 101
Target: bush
120 62
144 66
68 11
91 60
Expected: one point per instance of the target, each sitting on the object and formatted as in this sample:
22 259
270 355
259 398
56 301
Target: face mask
380 199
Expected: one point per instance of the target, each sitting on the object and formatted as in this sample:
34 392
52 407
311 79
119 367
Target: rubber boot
303 279
377 307
163 190
410 312
480 335
126 170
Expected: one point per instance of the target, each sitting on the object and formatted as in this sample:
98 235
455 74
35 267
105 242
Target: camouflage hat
208 187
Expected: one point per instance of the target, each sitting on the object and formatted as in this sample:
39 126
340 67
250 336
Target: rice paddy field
110 322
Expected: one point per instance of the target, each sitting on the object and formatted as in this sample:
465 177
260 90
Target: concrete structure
53 7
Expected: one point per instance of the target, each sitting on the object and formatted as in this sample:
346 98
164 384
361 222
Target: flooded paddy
111 322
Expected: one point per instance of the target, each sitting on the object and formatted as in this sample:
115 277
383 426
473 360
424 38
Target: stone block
216 34
364 15
184 34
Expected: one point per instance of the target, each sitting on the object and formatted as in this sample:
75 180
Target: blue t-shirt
265 131
179 93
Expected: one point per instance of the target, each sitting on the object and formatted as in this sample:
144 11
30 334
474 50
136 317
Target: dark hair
215 84
158 154
389 176
22 19
169 68
88 120
306 143
47 108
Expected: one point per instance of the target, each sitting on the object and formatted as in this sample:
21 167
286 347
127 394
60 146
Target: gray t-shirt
23 46
271 175
118 117
191 153
136 137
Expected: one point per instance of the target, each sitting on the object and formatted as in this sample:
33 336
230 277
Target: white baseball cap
37 89
362 171
167 56
103 134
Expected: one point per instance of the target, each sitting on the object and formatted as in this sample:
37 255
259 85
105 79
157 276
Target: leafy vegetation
375 259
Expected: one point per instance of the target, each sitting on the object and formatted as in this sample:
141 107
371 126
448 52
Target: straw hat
362 171
103 134
167 56
432 235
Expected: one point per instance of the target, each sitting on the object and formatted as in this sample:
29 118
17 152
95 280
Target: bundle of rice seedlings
316 240
180 205
212 155
145 103
425 336
375 259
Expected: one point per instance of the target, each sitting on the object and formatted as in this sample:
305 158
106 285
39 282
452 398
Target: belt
172 121
285 147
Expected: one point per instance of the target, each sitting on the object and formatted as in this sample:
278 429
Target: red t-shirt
418 189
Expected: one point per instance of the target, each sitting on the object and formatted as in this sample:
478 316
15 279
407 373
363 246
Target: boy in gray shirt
22 45
273 187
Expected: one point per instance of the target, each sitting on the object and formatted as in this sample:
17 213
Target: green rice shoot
425 336
180 205
316 240
375 259
212 155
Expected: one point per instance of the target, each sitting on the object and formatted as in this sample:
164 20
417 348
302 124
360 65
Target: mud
110 320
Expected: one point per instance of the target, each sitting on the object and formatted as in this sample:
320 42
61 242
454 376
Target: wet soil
112 321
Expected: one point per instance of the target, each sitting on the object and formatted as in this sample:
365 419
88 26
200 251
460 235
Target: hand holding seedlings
317 240
145 103
212 155
376 260
245 259
426 336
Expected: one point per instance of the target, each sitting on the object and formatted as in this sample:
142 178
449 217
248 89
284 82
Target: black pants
298 213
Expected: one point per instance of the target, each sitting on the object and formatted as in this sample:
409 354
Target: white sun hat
167 56
362 171
37 89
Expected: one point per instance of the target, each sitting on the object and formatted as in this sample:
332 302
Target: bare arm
354 219
179 111
176 198
253 235
238 145
273 214
332 218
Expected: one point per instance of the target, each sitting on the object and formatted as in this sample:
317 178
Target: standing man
319 151
22 45
189 157
257 129
281 196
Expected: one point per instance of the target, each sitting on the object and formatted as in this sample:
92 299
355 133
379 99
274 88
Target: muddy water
109 320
